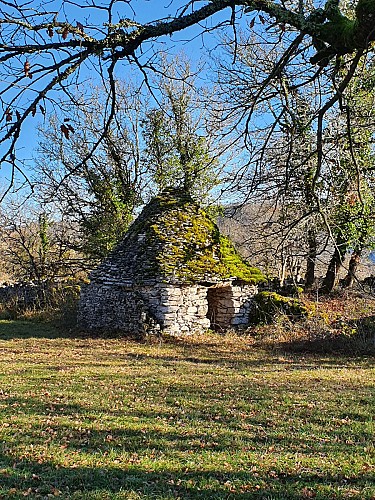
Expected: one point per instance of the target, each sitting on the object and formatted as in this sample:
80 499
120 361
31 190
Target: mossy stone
268 305
189 245
175 241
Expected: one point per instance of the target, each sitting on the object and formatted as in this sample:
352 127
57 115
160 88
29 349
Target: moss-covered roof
174 240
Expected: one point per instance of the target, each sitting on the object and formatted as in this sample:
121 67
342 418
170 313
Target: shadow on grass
340 345
23 477
352 338
178 430
311 360
22 329
299 355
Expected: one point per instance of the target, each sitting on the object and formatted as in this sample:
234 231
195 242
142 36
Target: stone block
166 309
203 322
200 302
173 329
168 322
183 329
239 320
202 310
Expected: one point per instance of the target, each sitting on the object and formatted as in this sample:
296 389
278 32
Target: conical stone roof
174 241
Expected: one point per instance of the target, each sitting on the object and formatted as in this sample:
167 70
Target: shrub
47 302
269 305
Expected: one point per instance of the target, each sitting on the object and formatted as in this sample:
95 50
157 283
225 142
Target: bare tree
350 178
43 52
99 197
184 135
279 171
35 246
144 149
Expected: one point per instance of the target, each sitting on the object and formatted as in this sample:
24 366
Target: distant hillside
258 237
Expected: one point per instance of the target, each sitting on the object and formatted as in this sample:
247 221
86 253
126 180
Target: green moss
270 304
339 33
236 265
186 244
345 34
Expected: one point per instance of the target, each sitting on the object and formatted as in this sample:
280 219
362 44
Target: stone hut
173 272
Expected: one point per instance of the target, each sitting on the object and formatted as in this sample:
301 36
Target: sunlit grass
208 417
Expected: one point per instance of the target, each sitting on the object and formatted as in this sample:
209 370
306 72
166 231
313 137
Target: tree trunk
335 264
311 259
283 272
354 262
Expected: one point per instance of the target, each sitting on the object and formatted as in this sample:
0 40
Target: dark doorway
220 307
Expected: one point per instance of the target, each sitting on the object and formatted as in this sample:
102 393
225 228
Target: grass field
209 417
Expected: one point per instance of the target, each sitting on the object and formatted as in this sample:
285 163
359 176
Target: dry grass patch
340 323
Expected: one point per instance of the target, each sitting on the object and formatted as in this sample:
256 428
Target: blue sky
143 11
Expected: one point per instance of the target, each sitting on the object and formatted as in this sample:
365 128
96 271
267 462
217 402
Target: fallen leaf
65 33
26 68
65 131
308 493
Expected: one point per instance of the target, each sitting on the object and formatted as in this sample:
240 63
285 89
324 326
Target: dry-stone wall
176 310
25 295
182 309
109 307
141 310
